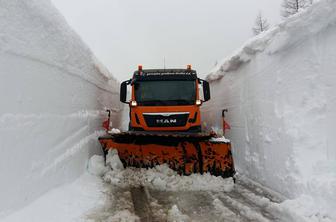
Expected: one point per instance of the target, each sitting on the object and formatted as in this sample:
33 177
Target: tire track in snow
141 203
225 213
257 205
259 190
239 205
252 202
240 208
187 205
156 201
274 208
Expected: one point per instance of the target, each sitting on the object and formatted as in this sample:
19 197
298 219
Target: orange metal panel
183 157
139 110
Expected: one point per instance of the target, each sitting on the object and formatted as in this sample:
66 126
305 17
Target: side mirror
123 91
206 90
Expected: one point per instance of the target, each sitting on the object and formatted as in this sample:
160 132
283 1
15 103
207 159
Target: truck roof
165 74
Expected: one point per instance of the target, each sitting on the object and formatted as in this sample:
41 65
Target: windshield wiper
184 102
155 102
167 102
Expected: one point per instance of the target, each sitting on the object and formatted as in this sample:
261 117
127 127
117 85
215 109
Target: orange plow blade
185 154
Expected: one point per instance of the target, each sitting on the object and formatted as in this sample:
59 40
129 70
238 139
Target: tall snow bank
53 93
280 92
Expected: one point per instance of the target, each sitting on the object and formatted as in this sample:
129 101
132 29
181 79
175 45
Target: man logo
166 121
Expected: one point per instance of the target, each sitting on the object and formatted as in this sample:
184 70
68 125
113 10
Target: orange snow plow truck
165 125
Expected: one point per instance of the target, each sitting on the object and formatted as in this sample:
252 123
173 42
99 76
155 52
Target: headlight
198 102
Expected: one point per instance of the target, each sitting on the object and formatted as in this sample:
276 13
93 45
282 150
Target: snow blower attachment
165 125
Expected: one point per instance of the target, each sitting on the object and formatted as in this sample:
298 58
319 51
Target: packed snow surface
52 93
280 91
161 193
68 203
90 199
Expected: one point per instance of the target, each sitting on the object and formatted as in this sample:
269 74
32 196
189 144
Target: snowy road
244 202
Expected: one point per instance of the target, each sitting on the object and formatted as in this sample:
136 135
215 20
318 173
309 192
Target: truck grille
166 119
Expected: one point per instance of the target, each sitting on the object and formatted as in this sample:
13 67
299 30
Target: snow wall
53 93
280 92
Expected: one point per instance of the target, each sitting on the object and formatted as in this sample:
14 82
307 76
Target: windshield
165 93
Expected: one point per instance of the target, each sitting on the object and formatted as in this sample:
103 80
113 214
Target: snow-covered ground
280 92
53 93
69 202
159 194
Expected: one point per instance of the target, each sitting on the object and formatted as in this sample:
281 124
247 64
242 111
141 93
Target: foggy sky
125 33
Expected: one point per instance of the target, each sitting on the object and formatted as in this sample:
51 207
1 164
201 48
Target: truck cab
165 99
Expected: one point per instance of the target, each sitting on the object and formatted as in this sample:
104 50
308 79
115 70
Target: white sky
125 33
